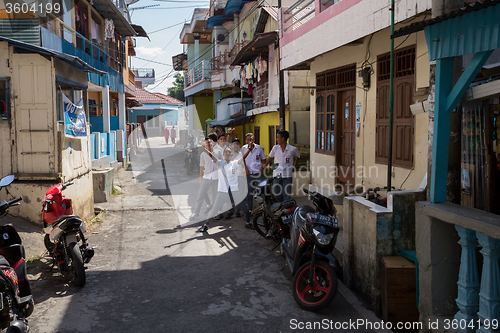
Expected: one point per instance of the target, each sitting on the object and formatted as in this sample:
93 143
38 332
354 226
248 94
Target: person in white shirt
253 167
208 180
287 157
228 182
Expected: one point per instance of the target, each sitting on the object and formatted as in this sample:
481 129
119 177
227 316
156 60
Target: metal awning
240 120
108 9
258 45
140 31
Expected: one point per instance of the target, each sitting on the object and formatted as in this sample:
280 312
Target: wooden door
141 120
272 137
347 137
34 119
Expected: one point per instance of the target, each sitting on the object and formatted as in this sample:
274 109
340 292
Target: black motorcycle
190 159
313 234
16 301
270 218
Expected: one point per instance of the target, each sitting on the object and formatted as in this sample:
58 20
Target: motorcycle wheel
48 244
322 293
261 224
188 167
77 264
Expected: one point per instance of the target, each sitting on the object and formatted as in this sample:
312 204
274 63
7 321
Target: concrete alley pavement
152 272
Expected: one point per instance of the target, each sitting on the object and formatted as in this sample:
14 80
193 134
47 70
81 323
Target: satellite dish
221 37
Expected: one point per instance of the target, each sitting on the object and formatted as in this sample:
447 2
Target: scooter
190 159
313 234
270 218
16 301
65 234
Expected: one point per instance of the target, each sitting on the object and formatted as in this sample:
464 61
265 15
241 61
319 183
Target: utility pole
281 74
391 103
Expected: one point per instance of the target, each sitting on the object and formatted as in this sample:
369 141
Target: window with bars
403 120
333 81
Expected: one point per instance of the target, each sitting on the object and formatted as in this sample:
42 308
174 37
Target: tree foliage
177 91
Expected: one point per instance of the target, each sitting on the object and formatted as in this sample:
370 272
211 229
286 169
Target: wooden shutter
382 122
403 122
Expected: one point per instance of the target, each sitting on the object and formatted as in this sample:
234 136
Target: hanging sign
75 124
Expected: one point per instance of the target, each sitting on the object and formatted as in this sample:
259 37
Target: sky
163 22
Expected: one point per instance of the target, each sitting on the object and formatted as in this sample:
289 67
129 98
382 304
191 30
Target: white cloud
148 52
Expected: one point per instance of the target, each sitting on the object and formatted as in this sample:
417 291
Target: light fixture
244 35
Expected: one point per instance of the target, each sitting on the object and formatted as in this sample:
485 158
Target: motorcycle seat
285 204
275 206
304 210
3 261
66 217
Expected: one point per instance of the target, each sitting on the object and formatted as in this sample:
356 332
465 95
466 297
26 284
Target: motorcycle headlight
321 238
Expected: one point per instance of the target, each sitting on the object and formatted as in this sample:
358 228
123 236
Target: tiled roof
145 96
471 7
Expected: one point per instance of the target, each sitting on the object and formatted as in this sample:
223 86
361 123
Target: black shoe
249 225
237 214
203 228
216 217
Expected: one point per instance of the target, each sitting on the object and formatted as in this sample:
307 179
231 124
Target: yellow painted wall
265 120
375 174
204 109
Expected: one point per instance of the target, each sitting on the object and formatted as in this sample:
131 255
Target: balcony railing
200 72
131 77
61 29
298 13
226 58
144 72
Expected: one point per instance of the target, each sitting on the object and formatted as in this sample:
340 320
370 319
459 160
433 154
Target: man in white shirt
287 157
228 182
208 180
253 167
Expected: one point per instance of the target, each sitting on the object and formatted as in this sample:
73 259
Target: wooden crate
398 289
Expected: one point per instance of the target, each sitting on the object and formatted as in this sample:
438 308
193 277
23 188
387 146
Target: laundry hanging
109 29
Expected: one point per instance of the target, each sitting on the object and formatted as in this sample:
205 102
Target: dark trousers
252 181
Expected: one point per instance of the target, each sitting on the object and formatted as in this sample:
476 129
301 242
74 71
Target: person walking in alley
173 134
166 134
228 190
208 179
287 157
253 167
242 185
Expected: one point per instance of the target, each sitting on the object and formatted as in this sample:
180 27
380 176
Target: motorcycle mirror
6 180
274 166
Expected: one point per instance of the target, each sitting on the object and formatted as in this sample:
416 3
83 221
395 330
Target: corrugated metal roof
418 26
24 30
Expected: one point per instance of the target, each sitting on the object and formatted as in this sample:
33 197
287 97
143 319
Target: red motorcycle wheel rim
303 289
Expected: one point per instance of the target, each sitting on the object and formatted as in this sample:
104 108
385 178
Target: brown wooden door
141 120
347 137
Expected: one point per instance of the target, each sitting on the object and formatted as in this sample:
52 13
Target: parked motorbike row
65 243
306 237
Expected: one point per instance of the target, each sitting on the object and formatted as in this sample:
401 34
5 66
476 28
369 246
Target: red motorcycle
65 234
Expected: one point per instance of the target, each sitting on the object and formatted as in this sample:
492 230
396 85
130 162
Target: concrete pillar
105 110
122 112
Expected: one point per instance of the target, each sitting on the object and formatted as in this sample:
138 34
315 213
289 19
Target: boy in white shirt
253 167
228 182
208 179
287 157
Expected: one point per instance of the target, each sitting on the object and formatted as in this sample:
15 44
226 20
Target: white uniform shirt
240 168
284 159
218 152
209 168
231 174
254 158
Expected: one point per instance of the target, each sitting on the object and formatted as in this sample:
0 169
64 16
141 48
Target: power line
152 32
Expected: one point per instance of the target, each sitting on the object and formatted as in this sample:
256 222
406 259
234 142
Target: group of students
230 173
